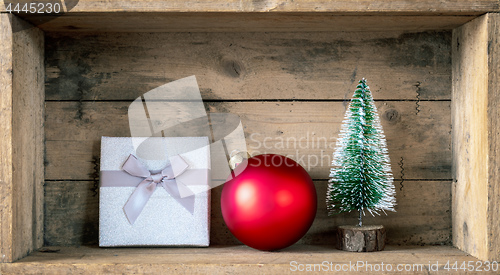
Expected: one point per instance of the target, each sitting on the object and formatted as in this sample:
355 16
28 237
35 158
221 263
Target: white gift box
163 221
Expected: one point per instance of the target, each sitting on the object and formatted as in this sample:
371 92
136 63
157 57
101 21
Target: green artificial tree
361 176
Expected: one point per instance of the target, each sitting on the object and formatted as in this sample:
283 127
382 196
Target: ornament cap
236 157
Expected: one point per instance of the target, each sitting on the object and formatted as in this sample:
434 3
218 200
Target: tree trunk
365 238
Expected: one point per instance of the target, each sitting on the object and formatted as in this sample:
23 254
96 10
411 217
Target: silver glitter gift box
163 221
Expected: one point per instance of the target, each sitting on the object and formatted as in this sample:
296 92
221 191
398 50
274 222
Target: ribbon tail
173 190
138 200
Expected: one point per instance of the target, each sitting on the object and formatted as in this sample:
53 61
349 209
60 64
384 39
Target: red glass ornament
271 204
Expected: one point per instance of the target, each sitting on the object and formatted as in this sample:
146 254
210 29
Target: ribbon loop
134 167
167 178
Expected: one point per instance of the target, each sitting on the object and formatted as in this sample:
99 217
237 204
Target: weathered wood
366 238
493 161
249 66
280 6
423 215
21 125
28 136
243 22
306 131
6 245
475 136
234 260
71 213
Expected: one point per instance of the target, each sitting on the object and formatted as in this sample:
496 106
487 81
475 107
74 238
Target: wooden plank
71 213
279 6
22 100
6 245
27 136
418 142
235 260
22 139
469 113
475 138
241 66
243 22
423 215
493 161
242 255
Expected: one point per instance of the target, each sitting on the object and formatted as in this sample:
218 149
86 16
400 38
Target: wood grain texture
423 215
250 66
470 133
493 136
71 213
475 138
22 139
27 136
242 22
6 245
280 6
305 131
226 260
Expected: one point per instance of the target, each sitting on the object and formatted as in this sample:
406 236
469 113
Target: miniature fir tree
361 176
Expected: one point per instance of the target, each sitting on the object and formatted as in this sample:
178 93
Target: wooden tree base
365 238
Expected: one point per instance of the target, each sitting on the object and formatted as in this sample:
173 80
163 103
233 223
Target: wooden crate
287 68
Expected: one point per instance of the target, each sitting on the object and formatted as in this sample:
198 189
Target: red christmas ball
270 204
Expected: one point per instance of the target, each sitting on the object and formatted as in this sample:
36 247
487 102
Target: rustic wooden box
287 68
